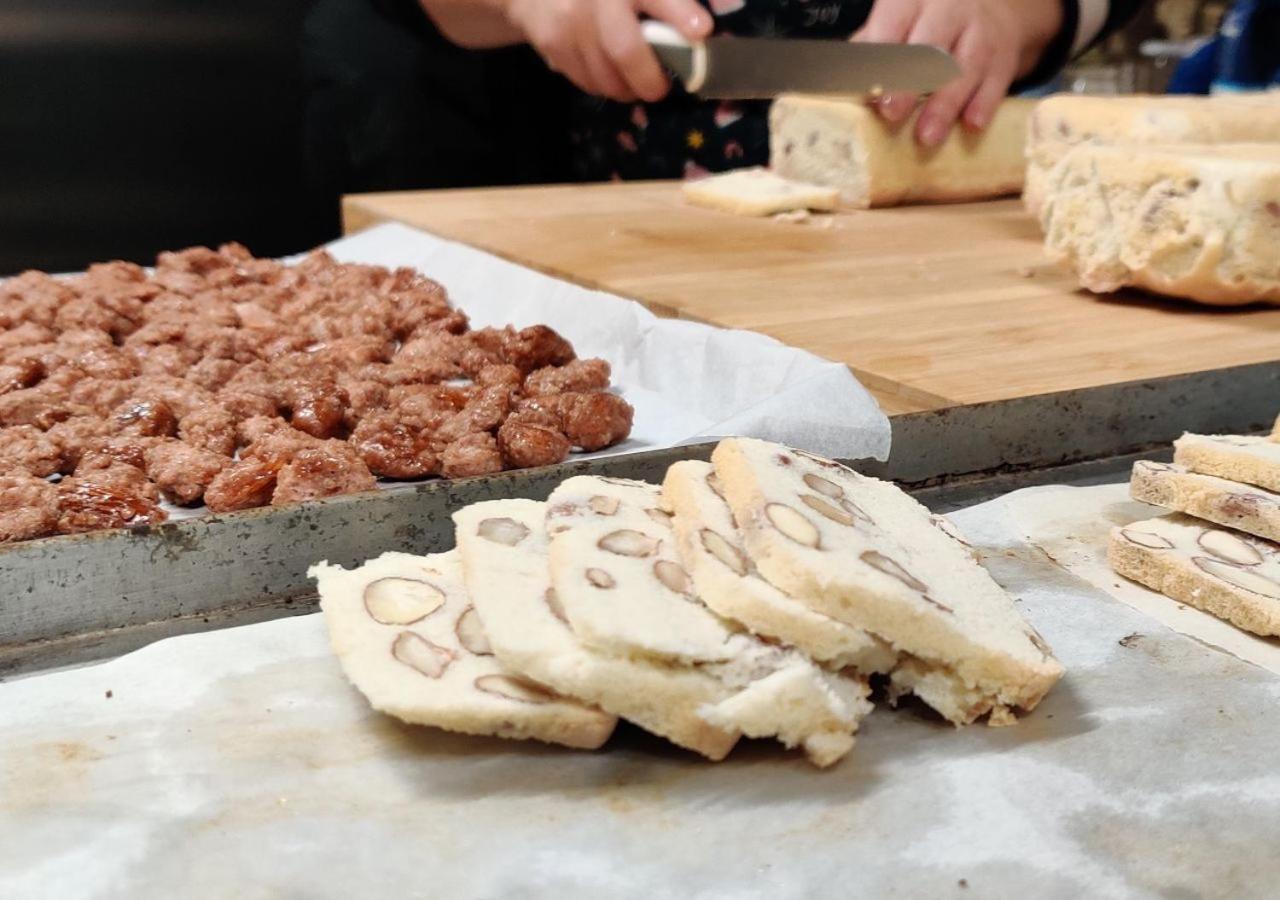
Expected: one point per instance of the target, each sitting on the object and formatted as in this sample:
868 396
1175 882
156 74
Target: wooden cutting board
931 306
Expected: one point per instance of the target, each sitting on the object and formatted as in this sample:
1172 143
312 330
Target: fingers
606 79
890 22
896 108
620 65
943 108
941 25
619 38
984 45
631 61
551 30
568 61
993 89
598 44
607 76
686 16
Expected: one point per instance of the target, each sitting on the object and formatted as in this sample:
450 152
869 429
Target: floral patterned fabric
683 136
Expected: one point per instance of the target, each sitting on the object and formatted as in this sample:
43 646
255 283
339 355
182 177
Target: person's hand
597 44
994 41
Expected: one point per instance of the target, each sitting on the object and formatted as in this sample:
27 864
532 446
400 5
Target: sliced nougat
758 192
616 572
1235 457
1063 121
1231 575
711 550
1230 503
504 552
633 595
862 551
842 142
409 639
779 701
1193 221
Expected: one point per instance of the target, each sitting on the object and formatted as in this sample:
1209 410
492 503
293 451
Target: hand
994 41
597 44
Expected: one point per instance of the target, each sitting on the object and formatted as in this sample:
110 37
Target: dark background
133 126
130 126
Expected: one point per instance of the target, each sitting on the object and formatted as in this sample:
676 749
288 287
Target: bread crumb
794 217
1001 717
1027 271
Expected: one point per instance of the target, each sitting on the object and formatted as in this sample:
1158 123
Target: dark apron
682 135
393 105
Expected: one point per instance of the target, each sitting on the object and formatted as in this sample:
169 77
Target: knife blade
737 68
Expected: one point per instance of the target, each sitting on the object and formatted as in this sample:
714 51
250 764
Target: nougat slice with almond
1231 575
1230 503
1235 457
504 552
862 551
629 594
623 589
409 639
711 550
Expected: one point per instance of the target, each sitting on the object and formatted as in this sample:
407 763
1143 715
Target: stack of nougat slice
753 596
1218 550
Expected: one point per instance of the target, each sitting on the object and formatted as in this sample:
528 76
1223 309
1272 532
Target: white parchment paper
240 764
689 382
1071 525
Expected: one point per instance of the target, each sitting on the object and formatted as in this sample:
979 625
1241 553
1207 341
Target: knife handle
687 59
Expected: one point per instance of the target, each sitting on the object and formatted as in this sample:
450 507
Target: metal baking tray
67 600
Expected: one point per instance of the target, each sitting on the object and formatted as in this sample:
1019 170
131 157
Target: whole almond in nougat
408 638
860 550
711 549
1223 572
624 590
504 552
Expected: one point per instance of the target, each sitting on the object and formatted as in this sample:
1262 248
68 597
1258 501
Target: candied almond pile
240 382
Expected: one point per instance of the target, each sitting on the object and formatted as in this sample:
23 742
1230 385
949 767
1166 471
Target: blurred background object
132 126
1142 57
128 126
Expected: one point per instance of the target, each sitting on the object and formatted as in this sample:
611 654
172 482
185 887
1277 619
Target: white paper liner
239 763
688 382
1072 524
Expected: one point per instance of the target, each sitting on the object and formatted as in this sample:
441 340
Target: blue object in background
1194 75
1249 55
1243 56
1055 86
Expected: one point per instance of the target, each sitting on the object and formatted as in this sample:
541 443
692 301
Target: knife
737 68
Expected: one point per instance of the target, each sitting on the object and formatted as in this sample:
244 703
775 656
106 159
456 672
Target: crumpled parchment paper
240 763
689 382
